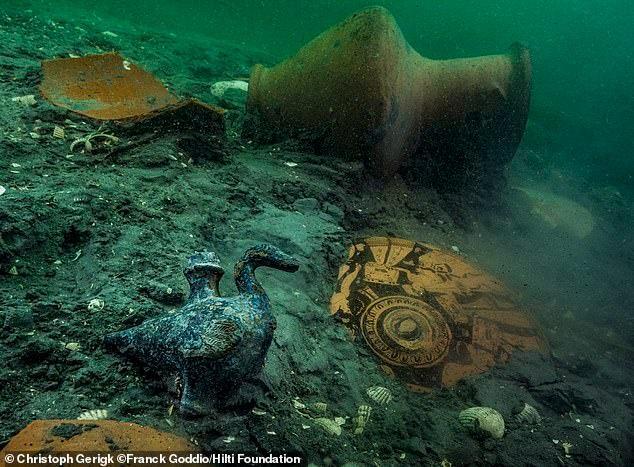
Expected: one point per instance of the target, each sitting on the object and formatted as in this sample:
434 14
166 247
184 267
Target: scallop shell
58 132
319 407
380 394
529 415
332 427
95 414
362 418
483 420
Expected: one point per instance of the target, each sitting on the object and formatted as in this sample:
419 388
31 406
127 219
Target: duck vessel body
213 344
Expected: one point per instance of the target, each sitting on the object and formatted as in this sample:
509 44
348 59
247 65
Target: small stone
306 205
3 190
13 271
73 346
18 318
333 211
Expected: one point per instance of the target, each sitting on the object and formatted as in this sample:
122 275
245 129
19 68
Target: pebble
306 205
18 318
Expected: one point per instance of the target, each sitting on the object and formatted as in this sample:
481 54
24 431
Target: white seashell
483 420
380 394
529 415
299 405
3 190
74 346
27 100
362 418
219 88
95 414
96 304
332 427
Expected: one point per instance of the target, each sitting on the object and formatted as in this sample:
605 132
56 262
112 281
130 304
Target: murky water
98 218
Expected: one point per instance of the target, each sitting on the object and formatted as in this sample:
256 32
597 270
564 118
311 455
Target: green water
582 52
94 241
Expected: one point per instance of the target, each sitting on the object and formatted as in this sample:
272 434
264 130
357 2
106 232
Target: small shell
332 427
219 88
529 415
27 100
96 304
95 414
299 405
362 418
73 346
58 132
483 420
380 394
319 407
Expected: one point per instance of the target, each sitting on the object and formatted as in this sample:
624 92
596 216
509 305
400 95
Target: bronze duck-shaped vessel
213 344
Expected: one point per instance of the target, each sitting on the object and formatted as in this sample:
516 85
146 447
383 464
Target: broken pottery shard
360 91
430 317
93 435
108 87
213 344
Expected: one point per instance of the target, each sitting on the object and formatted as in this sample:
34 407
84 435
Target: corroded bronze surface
212 345
431 317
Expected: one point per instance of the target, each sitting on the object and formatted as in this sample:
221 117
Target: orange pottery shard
93 437
360 91
429 316
108 87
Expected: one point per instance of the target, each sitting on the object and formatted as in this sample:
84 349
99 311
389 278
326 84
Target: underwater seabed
93 243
